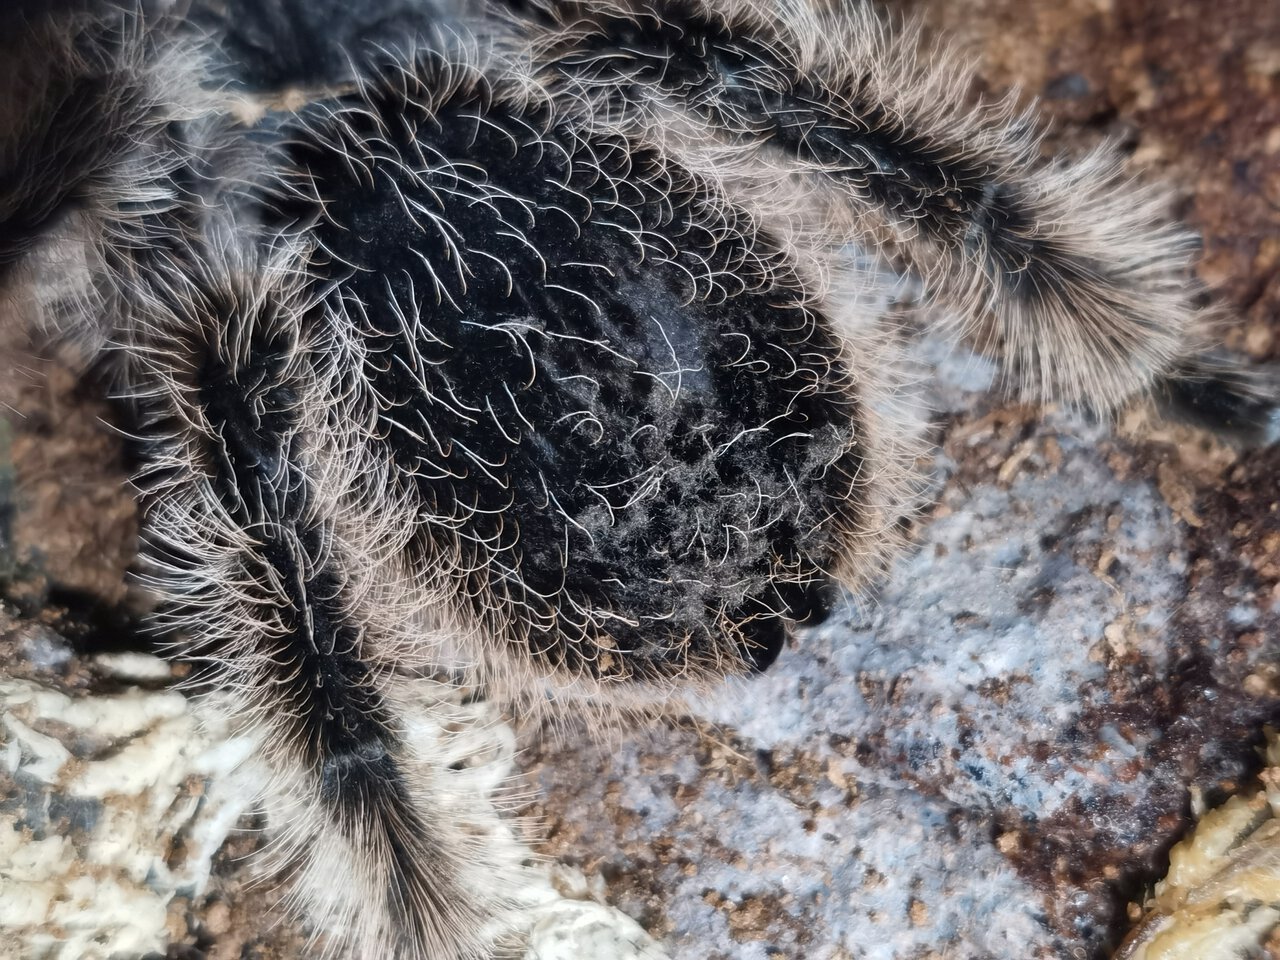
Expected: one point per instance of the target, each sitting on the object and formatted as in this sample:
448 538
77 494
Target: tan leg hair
1069 272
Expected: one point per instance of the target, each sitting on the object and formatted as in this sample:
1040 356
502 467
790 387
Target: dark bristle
269 45
1227 399
1007 240
249 375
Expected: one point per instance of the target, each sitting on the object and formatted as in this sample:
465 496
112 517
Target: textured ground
991 757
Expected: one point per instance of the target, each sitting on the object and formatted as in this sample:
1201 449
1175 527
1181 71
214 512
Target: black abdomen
629 441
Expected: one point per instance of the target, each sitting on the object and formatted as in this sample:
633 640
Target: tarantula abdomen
626 436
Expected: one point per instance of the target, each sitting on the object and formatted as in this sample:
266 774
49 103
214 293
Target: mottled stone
116 797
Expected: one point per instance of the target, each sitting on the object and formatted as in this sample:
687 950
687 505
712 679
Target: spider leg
77 91
1215 392
1069 272
252 540
274 44
147 198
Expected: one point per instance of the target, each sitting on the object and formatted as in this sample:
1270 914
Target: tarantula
547 352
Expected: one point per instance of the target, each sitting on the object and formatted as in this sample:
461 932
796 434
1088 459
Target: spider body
593 378
542 362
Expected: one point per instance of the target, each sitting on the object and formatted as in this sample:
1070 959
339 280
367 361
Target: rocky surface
993 755
124 809
1222 893
131 821
1190 88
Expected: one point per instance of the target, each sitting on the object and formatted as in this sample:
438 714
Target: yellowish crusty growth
1221 896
